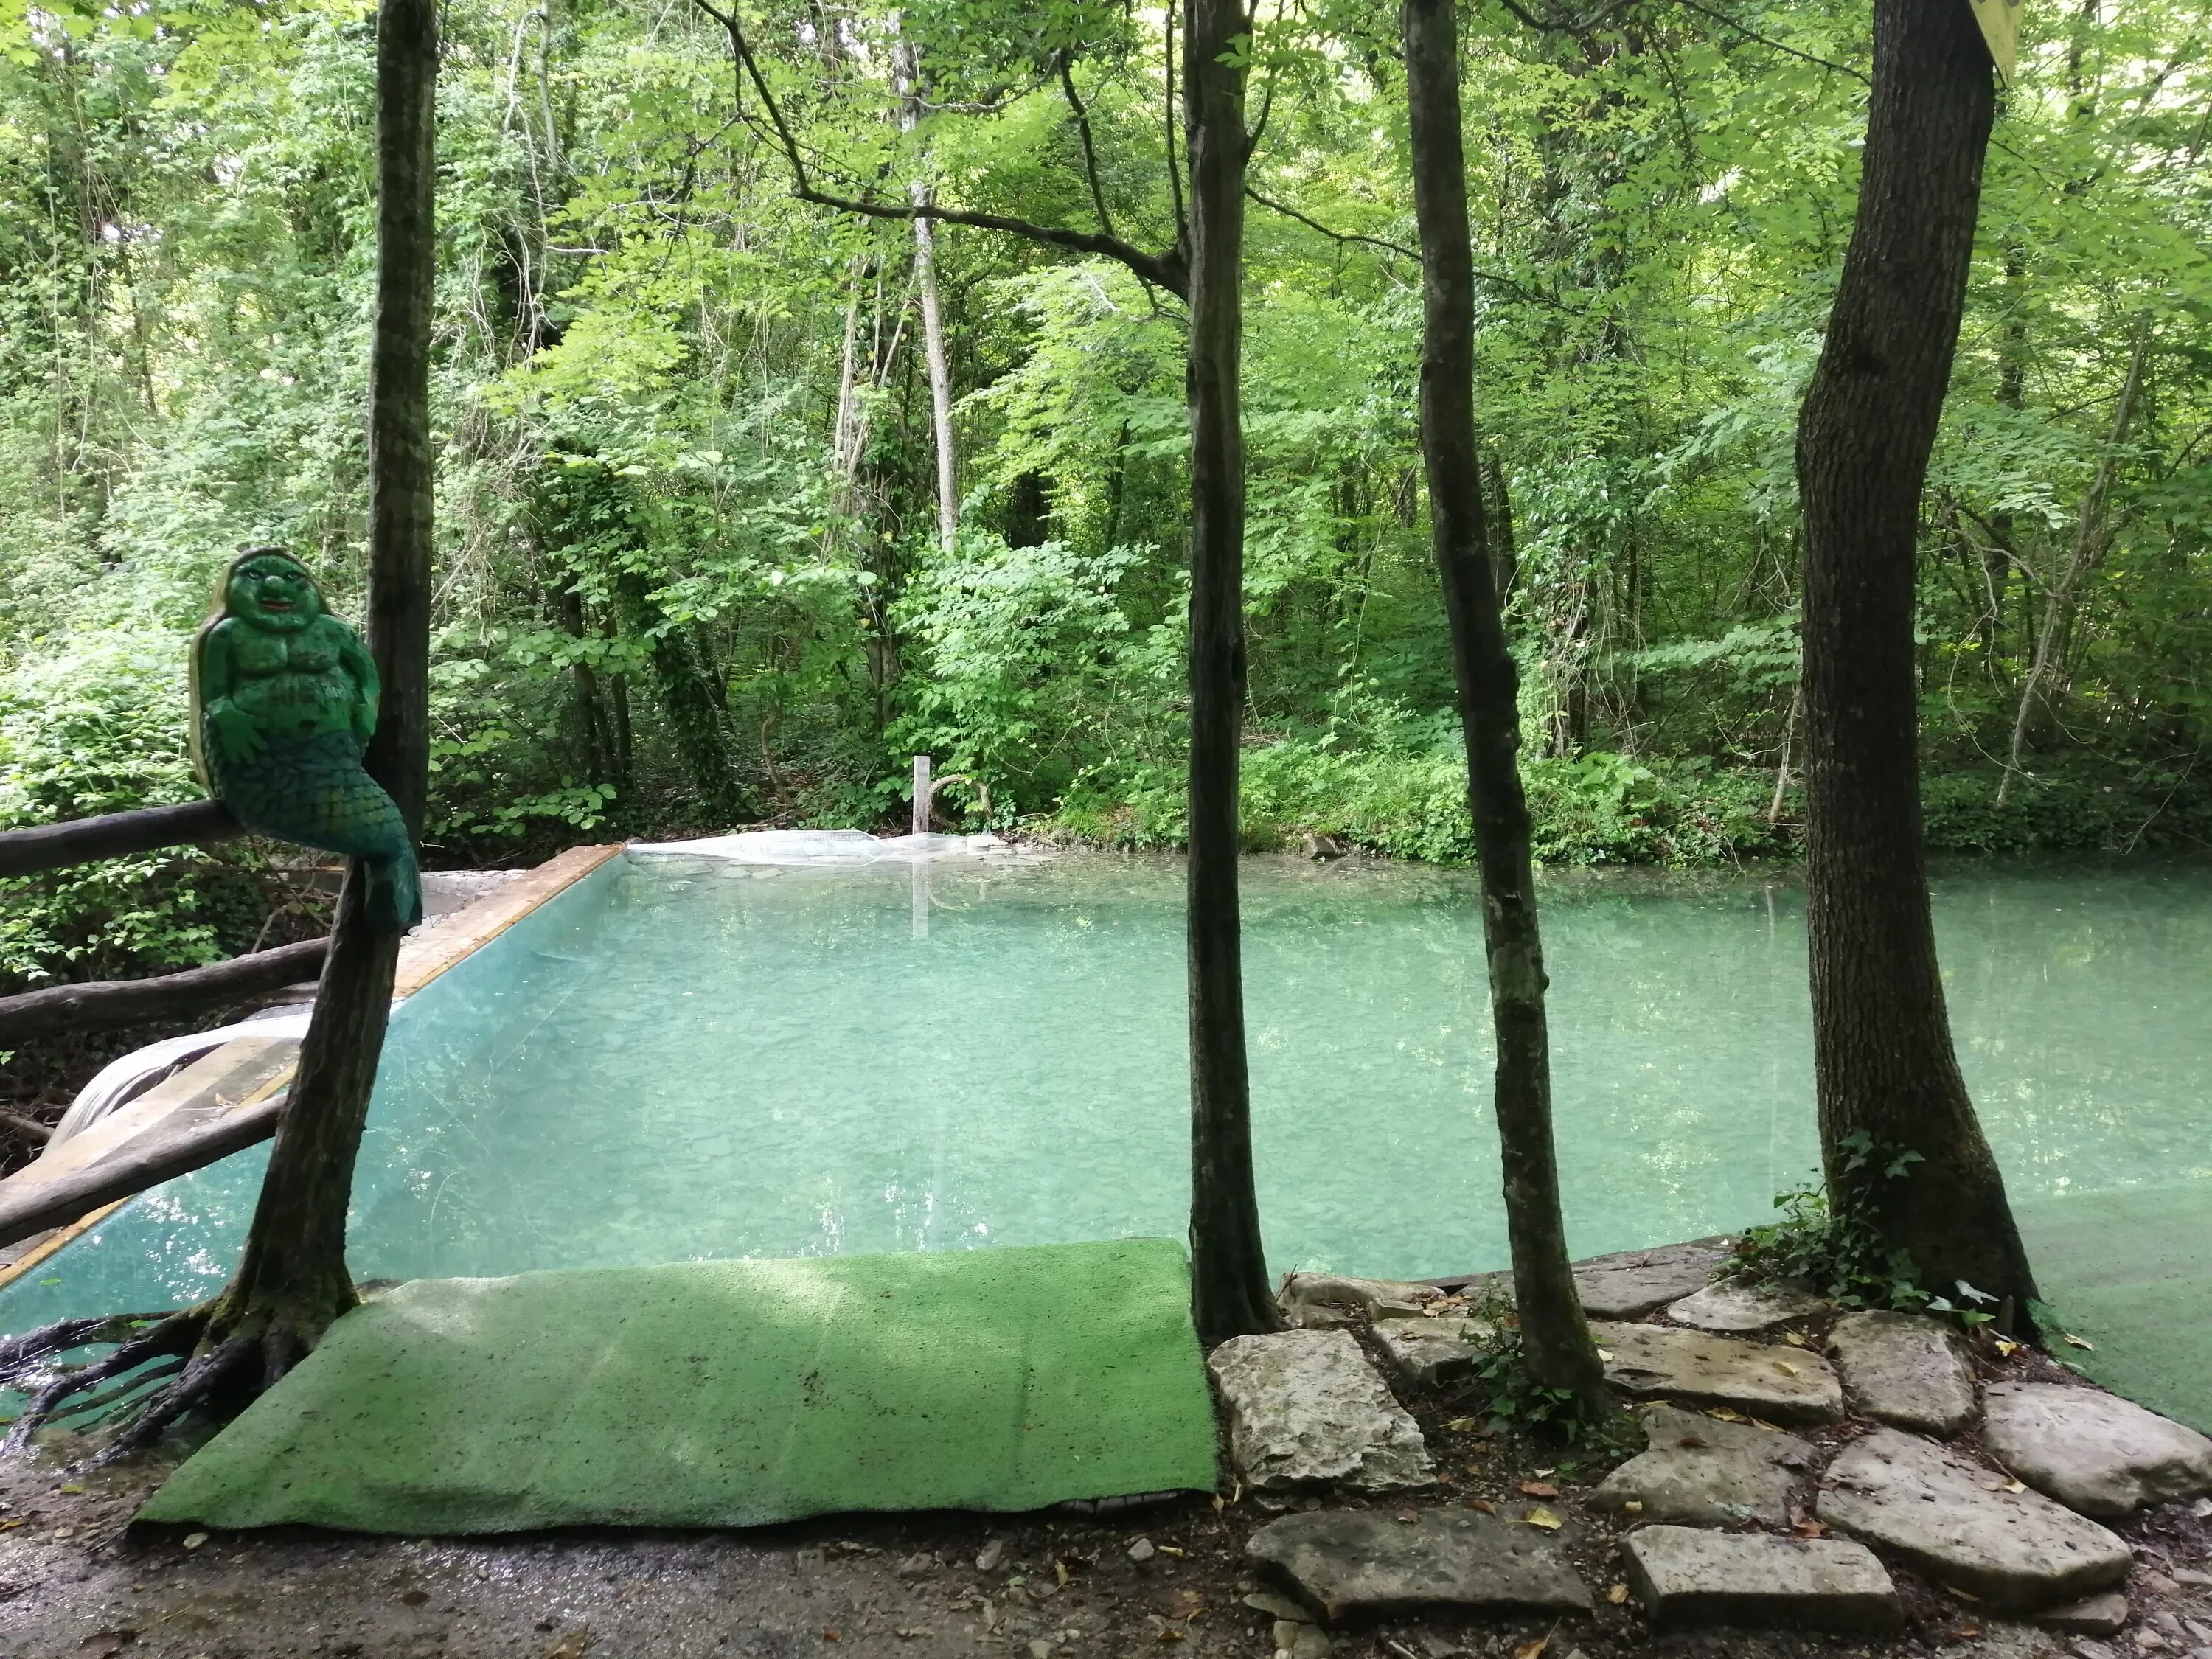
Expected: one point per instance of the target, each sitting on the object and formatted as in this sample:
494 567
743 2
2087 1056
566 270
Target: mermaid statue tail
314 792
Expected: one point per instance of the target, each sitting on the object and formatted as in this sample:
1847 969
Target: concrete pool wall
248 1070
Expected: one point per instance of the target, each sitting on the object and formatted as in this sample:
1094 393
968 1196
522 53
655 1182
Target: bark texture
114 836
1229 1272
1555 1336
1883 1047
110 1004
292 1279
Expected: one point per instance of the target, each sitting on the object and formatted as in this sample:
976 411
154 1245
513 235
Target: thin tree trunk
1882 1050
1229 1272
1556 1337
293 1273
933 316
2089 548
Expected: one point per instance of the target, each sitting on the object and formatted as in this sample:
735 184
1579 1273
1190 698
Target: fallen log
35 1206
107 1005
114 835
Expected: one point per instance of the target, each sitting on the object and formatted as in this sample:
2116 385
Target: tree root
210 1355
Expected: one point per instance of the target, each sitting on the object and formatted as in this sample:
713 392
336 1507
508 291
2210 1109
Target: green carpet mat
724 1394
2130 1274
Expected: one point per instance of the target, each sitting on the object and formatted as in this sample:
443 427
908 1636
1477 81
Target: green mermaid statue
283 701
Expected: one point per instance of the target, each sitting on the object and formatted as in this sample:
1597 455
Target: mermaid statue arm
238 732
368 687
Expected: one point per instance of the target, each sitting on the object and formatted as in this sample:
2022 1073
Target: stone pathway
1785 1384
2094 1451
1703 1473
1306 1409
1731 1518
1357 1565
1964 1527
1683 1576
1906 1370
1747 1310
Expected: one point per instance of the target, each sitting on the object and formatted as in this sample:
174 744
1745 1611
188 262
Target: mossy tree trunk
1555 1336
1229 1271
1883 1057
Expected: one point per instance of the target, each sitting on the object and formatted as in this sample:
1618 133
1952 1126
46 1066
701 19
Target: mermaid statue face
273 591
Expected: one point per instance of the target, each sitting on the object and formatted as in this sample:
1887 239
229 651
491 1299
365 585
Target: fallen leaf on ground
1808 1529
1184 1604
195 1539
1461 1424
1617 1595
1723 1414
1540 1489
1059 1571
1633 1506
1605 1355
1795 1339
1954 1591
571 1646
72 1490
1968 1633
1787 1369
2007 1347
1544 1518
2074 1341
1411 1517
827 1636
1170 1634
1532 1650
1483 1505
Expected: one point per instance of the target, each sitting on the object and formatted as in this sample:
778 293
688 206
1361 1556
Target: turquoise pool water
681 1058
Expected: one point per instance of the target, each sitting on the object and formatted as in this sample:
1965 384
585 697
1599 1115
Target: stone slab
1700 1472
1434 1351
1630 1284
1906 1370
1951 1518
1785 1384
1744 1309
2095 1615
1306 1409
1682 1575
1323 1298
1354 1565
2091 1450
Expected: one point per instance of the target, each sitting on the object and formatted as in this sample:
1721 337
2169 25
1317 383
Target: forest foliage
690 567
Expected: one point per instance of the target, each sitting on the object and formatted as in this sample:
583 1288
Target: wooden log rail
117 834
34 1207
110 1004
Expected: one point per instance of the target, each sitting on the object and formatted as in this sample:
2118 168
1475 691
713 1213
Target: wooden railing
116 836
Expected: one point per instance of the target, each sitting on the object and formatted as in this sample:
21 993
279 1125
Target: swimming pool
679 1058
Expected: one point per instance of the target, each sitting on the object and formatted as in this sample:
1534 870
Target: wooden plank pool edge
431 953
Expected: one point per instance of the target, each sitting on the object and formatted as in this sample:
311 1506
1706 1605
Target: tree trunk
1881 1039
933 316
1229 1271
1556 1337
2088 547
293 1273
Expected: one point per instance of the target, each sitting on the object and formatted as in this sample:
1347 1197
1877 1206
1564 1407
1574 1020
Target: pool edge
431 953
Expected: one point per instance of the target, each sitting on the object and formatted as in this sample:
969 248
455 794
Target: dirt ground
77 1581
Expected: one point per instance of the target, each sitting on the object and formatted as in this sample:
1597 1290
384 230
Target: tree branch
1090 154
1167 270
1398 248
